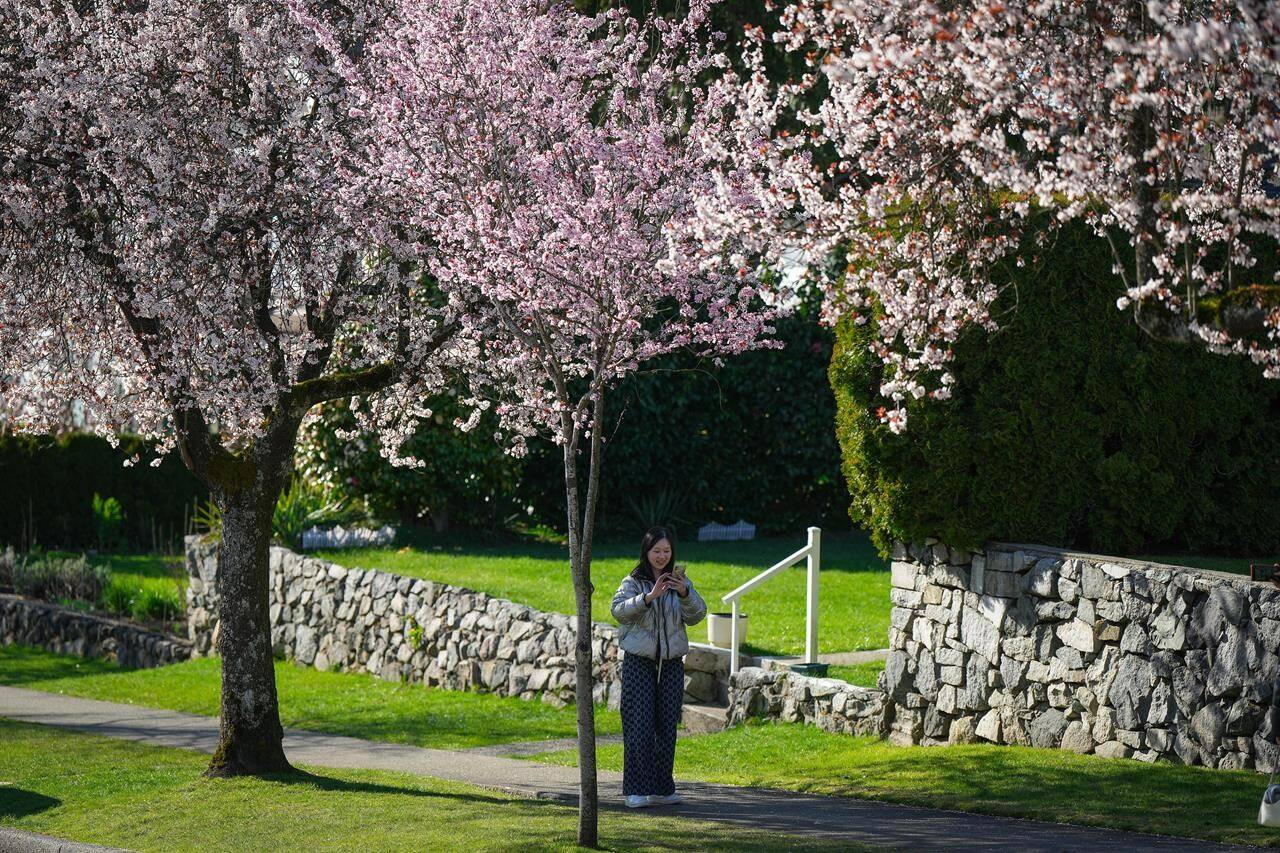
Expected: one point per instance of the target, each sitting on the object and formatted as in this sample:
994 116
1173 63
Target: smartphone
678 571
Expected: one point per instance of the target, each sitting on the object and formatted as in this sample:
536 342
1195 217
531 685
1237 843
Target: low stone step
700 719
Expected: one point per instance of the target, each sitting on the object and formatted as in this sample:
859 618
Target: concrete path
17 841
836 818
536 747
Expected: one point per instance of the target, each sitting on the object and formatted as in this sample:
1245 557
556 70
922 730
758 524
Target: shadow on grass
346 786
19 802
23 665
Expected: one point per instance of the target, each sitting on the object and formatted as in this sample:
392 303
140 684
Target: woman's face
660 555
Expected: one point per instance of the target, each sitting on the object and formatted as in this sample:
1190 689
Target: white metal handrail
813 552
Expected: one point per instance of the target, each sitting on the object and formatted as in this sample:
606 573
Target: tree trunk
250 738
581 536
588 794
584 684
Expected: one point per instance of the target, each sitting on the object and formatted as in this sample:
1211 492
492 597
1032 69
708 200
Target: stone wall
28 622
1051 648
828 703
410 629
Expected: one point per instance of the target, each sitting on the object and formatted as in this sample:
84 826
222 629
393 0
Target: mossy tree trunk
250 737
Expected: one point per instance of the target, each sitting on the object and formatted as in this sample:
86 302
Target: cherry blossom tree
173 254
542 158
923 137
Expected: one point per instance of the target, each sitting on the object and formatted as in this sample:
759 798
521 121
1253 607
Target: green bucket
813 670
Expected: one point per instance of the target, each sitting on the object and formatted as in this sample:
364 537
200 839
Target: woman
653 605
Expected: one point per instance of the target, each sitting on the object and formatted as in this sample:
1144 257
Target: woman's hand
663 584
680 584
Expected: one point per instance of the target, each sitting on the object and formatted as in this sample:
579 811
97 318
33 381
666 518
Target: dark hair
652 537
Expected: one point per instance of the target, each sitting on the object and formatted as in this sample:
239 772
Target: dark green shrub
48 485
1068 427
56 578
109 519
466 480
689 442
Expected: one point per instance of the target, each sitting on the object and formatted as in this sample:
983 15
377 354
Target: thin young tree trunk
250 737
584 687
588 795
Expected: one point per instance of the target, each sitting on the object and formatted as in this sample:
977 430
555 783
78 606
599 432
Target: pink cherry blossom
538 162
176 255
921 136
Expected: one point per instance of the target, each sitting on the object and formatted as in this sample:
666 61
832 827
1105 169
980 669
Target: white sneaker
638 801
668 800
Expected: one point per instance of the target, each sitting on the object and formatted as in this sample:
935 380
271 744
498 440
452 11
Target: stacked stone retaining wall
828 703
1050 648
399 628
29 622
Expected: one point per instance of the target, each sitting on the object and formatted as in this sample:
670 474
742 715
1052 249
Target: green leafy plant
303 505
49 483
54 578
749 438
466 479
108 519
664 505
154 603
208 520
414 633
118 596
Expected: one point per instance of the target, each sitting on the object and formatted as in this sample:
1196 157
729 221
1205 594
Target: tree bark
581 533
250 737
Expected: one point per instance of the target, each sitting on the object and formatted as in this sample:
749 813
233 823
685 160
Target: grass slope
1043 784
148 798
861 674
853 603
354 704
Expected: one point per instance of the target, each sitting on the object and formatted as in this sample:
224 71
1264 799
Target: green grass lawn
853 601
145 569
1043 784
861 674
116 792
354 704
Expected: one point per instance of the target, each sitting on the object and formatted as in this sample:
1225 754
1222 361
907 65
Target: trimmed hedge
1068 427
688 442
47 486
466 480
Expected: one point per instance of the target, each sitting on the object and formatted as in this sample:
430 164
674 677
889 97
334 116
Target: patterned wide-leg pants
650 712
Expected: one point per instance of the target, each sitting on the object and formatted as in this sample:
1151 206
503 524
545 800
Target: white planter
720 629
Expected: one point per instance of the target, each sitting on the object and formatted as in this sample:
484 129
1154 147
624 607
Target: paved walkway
835 818
536 747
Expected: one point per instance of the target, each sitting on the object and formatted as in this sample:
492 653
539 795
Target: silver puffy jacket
656 630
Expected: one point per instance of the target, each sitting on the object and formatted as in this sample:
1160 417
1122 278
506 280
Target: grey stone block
1047 729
